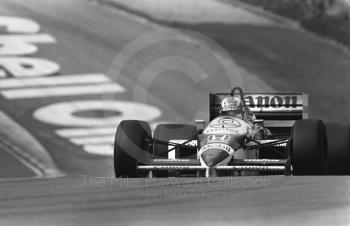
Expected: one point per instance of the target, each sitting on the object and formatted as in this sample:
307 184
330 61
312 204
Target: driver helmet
231 105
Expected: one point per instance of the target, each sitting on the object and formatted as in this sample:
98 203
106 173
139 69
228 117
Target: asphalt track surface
89 38
197 201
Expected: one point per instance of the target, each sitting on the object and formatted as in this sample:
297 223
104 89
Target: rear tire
129 144
338 149
309 147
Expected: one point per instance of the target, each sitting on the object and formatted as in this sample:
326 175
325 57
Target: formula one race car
278 140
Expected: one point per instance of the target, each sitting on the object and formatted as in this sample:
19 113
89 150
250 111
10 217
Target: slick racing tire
172 132
309 147
338 149
129 144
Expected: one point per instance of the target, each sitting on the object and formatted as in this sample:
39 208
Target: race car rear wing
276 109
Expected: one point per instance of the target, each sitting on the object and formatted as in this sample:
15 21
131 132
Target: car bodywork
224 144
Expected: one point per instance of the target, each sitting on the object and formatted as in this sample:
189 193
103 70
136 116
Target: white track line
106 150
25 148
62 91
81 132
53 80
23 158
93 140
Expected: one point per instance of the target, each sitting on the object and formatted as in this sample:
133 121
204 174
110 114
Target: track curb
18 142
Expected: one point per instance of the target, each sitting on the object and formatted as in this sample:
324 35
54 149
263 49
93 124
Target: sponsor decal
220 146
275 101
225 122
171 160
259 168
261 160
218 138
211 130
